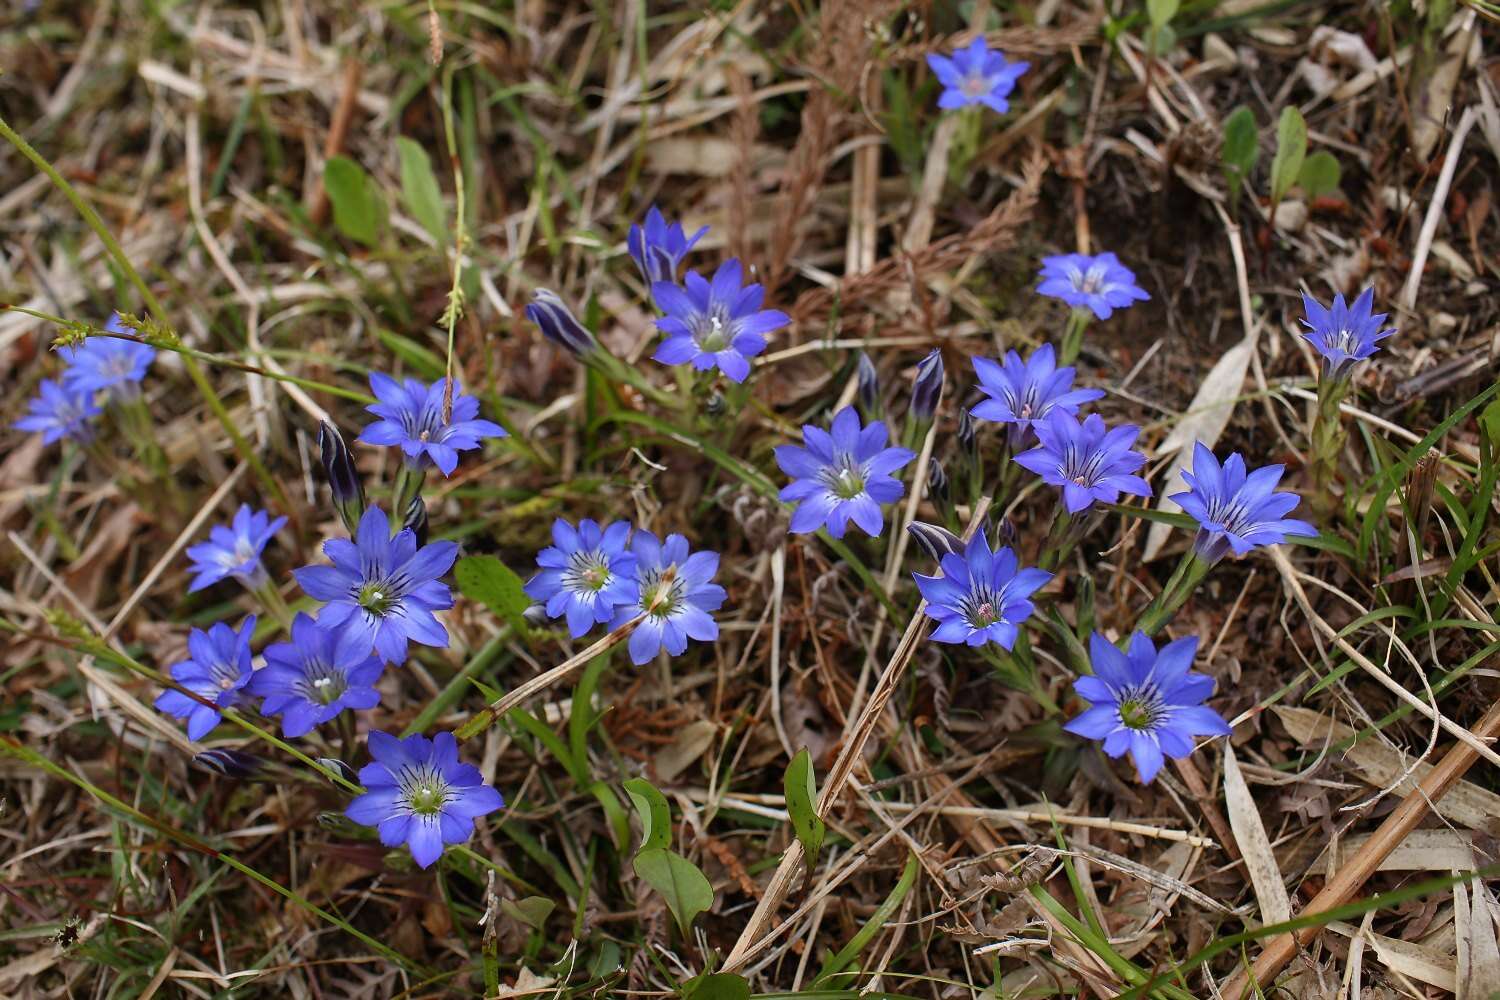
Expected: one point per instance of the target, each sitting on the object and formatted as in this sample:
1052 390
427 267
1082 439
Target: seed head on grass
1237 511
59 412
383 589
411 416
217 670
1145 701
234 550
317 675
1091 463
1100 284
976 74
842 475
586 573
980 596
716 324
675 590
420 794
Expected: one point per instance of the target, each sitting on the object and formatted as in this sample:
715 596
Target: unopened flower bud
229 763
968 441
535 615
343 478
937 482
927 392
416 519
558 323
869 386
935 541
339 768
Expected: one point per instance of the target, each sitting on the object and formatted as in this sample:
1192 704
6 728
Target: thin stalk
1072 338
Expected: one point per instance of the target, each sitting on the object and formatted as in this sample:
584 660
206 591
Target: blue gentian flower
842 476
317 675
980 596
976 75
676 591
110 365
421 795
586 573
1236 511
217 669
381 588
411 415
1101 284
1022 393
1344 334
658 248
714 325
235 550
59 411
1091 463
1146 701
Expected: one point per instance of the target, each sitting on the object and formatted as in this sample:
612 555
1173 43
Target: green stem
91 218
1327 442
275 605
1072 338
1185 579
408 484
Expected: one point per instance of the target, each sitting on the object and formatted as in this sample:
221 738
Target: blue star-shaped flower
1022 393
235 550
586 573
658 248
108 364
1146 701
1101 284
981 596
714 325
1091 463
842 476
217 670
411 415
317 675
381 588
1344 334
676 591
420 794
58 412
1237 511
976 75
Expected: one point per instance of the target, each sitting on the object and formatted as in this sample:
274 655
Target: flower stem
407 486
1185 579
1327 443
1072 338
275 605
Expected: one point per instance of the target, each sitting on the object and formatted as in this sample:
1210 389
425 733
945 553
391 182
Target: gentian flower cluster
592 575
107 367
234 551
317 675
842 475
1343 334
717 324
1022 393
1092 464
976 75
217 671
1146 701
659 248
1237 511
981 596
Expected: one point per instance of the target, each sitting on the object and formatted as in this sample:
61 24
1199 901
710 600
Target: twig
1435 208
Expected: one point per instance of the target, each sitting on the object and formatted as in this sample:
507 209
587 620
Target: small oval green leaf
420 190
358 209
1291 150
801 805
685 888
656 815
492 583
1319 175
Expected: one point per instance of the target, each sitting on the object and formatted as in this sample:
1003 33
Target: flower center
376 597
845 479
424 790
976 85
1084 470
588 572
1141 708
1343 340
713 335
982 608
1091 282
321 683
662 592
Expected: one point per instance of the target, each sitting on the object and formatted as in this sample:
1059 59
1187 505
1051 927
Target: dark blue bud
935 541
229 763
968 441
416 519
927 392
869 385
343 478
339 768
558 323
937 482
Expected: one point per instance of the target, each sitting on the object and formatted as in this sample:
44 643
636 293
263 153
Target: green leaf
801 799
685 888
1319 175
1162 39
656 815
1241 140
1291 149
1489 419
718 986
358 209
420 191
489 581
531 911
1161 11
